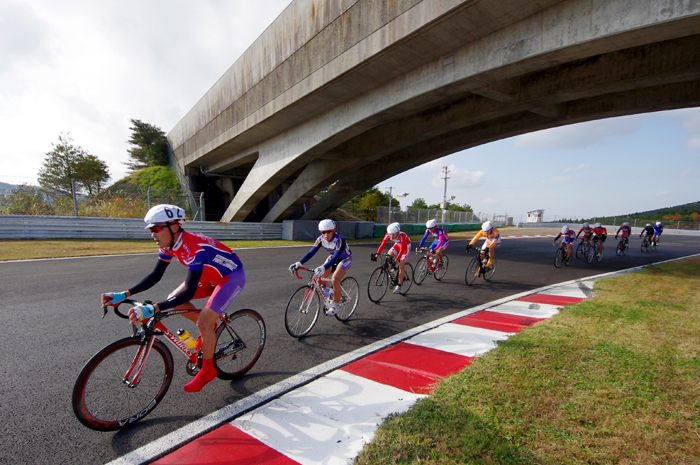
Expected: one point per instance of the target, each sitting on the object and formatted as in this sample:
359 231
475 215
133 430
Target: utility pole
445 172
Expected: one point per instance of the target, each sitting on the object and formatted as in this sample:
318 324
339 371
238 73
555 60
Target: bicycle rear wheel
377 285
407 279
104 398
302 311
421 270
350 295
472 269
442 268
591 253
558 256
239 344
488 273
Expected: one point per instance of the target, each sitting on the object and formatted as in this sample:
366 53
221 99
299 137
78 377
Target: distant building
535 216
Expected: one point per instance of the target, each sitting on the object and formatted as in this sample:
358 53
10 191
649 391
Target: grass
612 380
20 249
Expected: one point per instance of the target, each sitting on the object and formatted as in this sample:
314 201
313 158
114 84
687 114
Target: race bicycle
304 305
430 264
647 244
386 276
592 252
582 247
126 380
477 267
561 255
622 246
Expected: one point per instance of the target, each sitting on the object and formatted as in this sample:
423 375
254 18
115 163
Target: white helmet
648 225
564 229
658 223
586 225
487 226
164 213
326 225
431 224
626 223
393 228
597 225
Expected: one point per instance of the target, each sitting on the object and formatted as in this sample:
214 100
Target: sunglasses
158 228
326 232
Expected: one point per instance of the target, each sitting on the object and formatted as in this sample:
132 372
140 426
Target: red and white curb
326 414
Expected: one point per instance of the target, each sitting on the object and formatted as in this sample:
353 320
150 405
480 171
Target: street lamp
397 196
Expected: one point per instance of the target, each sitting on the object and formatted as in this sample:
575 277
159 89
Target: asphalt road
49 312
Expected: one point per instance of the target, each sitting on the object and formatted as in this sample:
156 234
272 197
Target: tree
419 203
68 163
24 200
150 146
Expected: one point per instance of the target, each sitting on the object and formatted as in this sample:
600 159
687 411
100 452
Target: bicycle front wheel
377 285
239 343
580 250
620 248
302 312
441 268
558 257
472 270
421 270
407 279
489 272
105 398
591 253
350 294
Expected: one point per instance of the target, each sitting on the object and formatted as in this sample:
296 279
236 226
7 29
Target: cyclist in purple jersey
440 241
338 261
213 271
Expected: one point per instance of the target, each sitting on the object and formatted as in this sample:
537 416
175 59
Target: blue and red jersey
198 252
439 235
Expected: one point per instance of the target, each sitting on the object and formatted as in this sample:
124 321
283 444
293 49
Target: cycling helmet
658 223
164 213
393 228
326 225
648 225
487 226
626 223
597 225
564 229
431 224
586 225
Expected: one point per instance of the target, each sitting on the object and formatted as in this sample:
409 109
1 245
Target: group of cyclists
598 233
216 272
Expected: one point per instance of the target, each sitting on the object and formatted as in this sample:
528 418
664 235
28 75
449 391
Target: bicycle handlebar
131 302
296 271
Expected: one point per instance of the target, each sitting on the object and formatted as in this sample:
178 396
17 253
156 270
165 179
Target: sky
86 68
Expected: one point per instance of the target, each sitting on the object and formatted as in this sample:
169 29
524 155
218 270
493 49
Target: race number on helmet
164 213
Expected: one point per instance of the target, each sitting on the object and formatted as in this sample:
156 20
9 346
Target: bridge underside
366 140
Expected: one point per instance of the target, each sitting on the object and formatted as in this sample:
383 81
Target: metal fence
117 202
420 215
71 227
617 221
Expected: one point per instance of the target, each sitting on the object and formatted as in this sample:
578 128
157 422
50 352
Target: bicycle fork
137 364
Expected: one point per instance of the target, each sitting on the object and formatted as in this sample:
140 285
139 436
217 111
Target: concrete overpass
351 92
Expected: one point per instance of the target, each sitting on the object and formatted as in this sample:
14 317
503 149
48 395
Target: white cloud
489 201
578 136
580 167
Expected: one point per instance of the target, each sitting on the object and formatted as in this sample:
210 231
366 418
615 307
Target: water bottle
186 338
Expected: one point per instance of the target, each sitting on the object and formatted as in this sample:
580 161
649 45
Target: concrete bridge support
377 88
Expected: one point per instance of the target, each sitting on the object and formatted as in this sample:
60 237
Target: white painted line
327 421
567 290
460 339
528 309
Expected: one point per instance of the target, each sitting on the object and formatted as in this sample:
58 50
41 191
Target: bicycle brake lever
104 312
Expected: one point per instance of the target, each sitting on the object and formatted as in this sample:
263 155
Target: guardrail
67 227
611 228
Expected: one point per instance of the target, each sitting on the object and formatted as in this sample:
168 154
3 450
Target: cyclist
338 261
399 251
658 229
493 240
626 231
441 240
599 234
648 231
213 271
586 230
569 238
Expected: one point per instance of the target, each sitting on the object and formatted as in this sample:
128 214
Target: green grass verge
612 380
